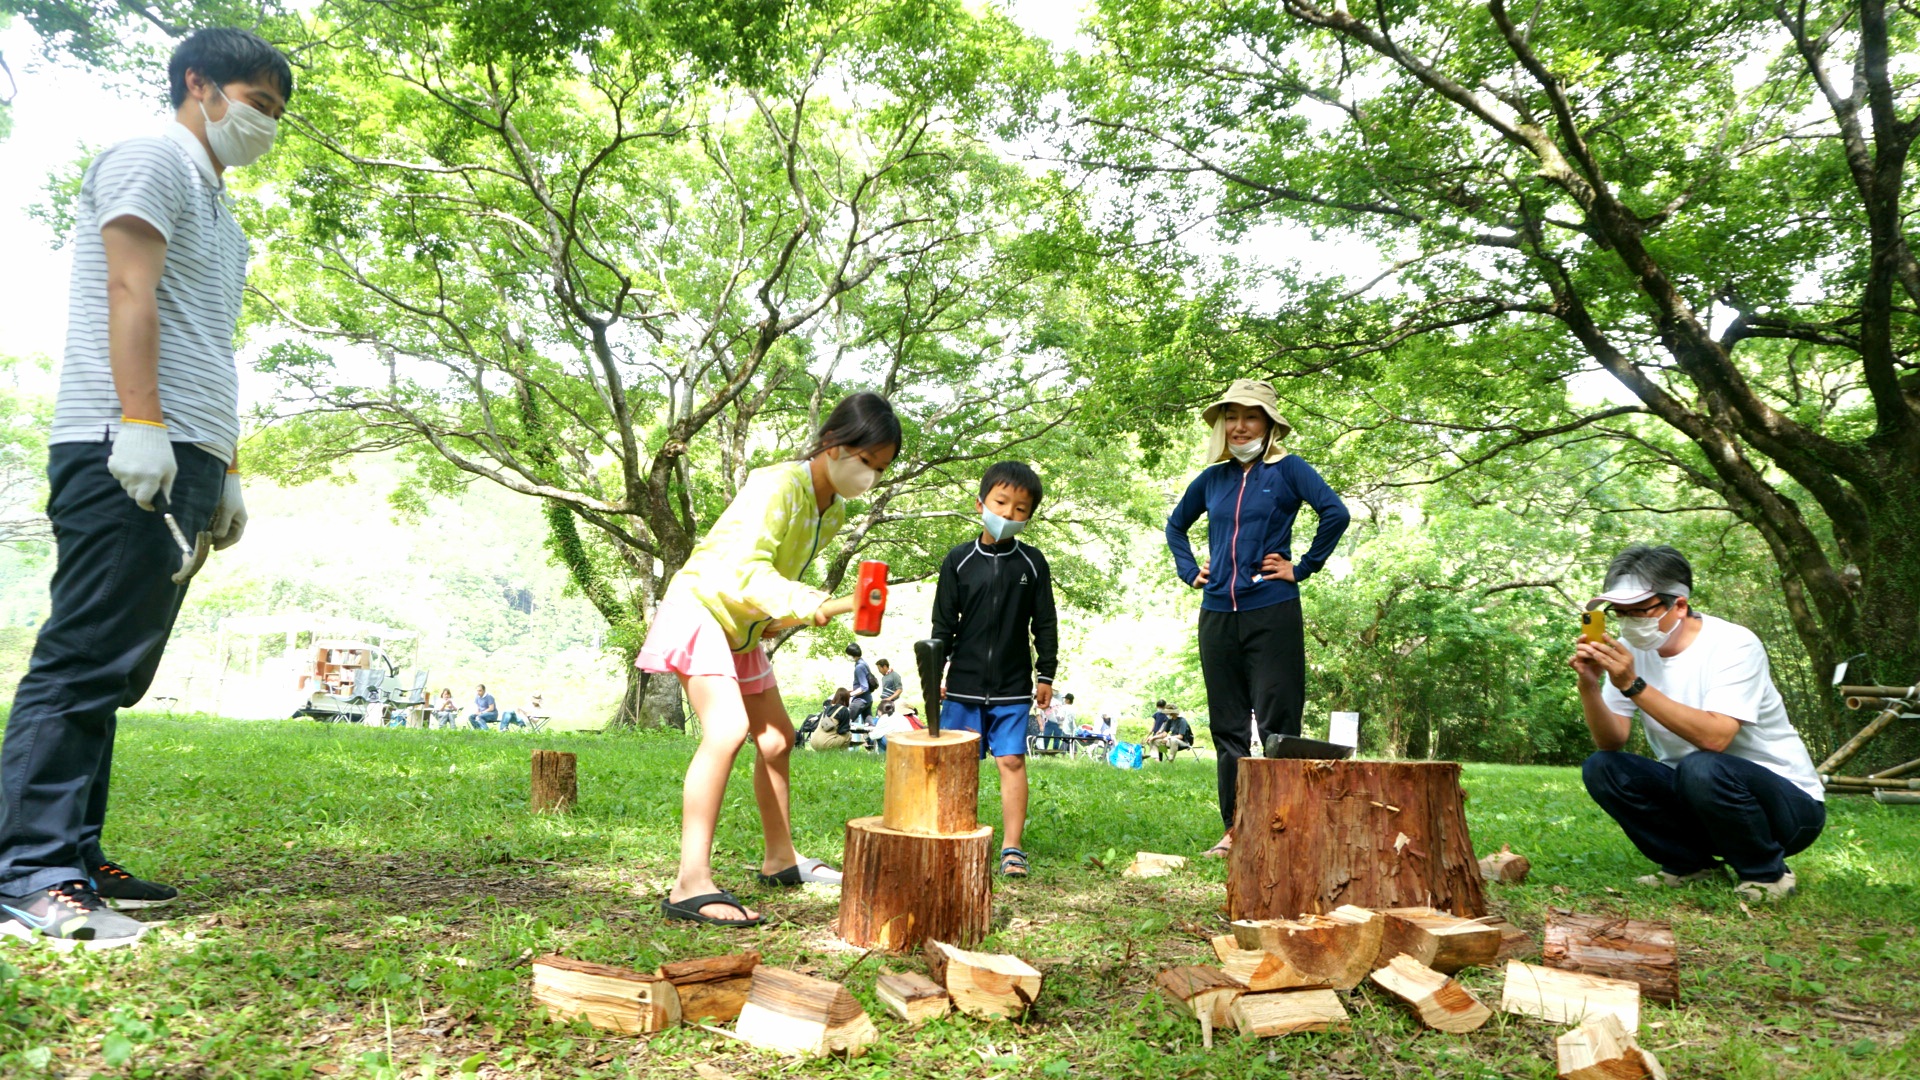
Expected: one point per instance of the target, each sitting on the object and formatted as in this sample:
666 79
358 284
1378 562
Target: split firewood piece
605 996
1204 993
1441 1003
1515 943
1336 949
1505 866
984 984
1568 997
913 998
1441 941
712 988
1603 1049
1148 864
799 1014
1266 1015
1260 970
1639 952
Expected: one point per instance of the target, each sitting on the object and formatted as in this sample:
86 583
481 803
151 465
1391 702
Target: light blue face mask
998 527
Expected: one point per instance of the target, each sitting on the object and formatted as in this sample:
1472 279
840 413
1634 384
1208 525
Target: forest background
535 285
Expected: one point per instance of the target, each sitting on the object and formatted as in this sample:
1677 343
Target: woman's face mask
850 477
1244 452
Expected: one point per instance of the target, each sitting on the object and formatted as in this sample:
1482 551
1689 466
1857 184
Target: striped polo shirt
167 181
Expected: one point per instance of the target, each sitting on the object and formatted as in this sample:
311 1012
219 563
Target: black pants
114 602
1255 667
1709 806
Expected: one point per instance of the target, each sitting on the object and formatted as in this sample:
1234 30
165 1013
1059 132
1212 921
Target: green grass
360 903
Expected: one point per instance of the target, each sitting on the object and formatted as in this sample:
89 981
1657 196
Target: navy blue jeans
113 606
1709 807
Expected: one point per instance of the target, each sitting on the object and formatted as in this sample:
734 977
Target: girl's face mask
850 477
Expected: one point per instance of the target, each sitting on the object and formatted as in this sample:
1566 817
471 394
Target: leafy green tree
1707 203
615 266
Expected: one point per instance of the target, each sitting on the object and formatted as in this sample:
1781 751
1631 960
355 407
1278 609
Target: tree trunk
903 889
650 701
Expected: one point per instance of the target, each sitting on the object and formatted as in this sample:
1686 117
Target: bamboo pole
1881 691
1852 746
1864 783
1897 770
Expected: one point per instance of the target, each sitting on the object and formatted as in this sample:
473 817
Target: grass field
361 903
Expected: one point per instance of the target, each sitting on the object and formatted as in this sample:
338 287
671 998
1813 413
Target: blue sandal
1013 862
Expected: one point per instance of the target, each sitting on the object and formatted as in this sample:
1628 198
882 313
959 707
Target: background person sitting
835 731
485 709
445 709
523 715
1170 736
1731 780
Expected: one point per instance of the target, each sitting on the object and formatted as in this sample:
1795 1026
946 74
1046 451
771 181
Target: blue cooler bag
1126 755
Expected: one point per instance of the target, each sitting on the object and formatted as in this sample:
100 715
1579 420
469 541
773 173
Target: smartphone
1593 626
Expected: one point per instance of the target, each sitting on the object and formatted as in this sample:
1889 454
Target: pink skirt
685 639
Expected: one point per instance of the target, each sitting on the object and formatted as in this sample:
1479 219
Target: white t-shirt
168 182
891 724
1725 670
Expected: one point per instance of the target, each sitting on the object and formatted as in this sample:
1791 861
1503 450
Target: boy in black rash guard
994 592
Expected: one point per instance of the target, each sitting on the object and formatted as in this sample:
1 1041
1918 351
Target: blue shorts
1006 725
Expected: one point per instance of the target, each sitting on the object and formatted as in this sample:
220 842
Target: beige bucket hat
1245 392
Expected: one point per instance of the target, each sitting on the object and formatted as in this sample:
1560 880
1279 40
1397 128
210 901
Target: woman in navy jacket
1253 651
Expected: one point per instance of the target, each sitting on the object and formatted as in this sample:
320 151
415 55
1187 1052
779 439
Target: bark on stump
553 781
923 869
1310 836
898 890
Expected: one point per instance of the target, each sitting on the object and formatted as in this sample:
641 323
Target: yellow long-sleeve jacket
746 569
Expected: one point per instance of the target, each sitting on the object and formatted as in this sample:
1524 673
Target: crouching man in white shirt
1732 781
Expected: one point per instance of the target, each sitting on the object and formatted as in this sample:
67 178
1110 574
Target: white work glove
142 460
230 517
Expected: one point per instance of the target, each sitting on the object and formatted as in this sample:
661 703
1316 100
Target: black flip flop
1013 862
689 909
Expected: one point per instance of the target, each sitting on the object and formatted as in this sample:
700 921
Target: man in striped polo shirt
147 417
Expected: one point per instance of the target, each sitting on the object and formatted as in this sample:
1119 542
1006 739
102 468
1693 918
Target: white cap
1629 590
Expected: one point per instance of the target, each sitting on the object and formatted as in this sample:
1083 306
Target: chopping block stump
923 868
1309 836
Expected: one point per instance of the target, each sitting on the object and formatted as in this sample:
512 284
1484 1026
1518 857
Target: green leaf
116 1049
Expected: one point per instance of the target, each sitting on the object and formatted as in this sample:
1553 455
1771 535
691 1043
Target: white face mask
242 135
850 476
1244 452
1643 631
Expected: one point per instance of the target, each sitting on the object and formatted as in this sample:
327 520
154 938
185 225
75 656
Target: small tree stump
553 781
901 889
933 783
1638 952
1310 836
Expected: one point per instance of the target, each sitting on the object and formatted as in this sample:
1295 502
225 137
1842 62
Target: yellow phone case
1593 626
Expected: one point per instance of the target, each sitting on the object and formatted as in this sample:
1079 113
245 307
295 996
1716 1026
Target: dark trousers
114 602
1708 806
1255 667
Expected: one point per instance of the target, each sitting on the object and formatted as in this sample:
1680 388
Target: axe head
870 598
930 655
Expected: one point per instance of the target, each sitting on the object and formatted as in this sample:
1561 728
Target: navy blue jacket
1250 515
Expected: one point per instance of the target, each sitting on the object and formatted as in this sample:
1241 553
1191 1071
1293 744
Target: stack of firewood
1280 976
777 1009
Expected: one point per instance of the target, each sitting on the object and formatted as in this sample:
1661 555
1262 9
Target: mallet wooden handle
838 606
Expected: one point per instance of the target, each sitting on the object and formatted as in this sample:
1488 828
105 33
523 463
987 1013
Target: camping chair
535 723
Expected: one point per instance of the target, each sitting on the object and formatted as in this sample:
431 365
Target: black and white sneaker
126 892
65 916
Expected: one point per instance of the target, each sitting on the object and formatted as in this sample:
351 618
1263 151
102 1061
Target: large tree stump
1310 836
1638 952
900 889
553 781
933 783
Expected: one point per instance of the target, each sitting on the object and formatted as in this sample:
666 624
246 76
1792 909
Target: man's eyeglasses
1652 607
